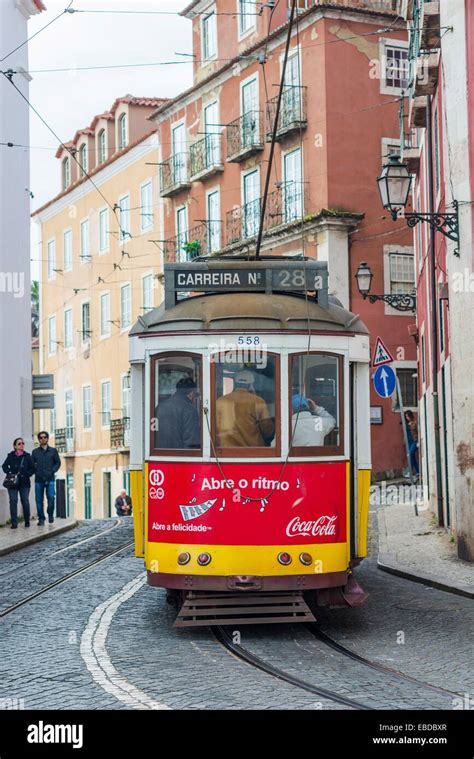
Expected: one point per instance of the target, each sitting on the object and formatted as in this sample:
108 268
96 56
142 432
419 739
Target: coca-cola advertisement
247 504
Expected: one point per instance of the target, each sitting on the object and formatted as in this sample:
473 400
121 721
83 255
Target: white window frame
384 43
210 226
67 234
243 33
108 332
68 329
52 336
177 216
83 160
85 257
124 376
387 143
144 308
87 339
253 170
101 155
51 258
66 172
86 386
388 250
68 403
103 382
284 154
124 227
146 219
121 137
104 213
209 11
128 286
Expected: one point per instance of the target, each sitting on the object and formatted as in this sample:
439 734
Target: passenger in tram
178 419
312 422
243 418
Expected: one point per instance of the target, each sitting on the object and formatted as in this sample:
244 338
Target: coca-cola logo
324 525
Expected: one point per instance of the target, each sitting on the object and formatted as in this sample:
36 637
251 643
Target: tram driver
243 418
310 422
178 419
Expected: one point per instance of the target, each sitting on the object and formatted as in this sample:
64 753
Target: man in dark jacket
47 462
123 504
178 420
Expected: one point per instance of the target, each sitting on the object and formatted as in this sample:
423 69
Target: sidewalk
414 548
12 540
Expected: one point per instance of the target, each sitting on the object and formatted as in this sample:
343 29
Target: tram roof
249 311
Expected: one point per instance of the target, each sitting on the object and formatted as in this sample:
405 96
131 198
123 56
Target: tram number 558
248 340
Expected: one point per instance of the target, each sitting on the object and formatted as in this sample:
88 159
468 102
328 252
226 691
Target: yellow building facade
99 269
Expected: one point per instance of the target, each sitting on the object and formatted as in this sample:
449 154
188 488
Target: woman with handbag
18 466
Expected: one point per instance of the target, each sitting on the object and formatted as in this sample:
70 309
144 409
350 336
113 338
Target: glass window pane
176 423
315 401
245 400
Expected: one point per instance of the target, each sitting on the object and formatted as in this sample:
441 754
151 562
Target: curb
387 563
37 538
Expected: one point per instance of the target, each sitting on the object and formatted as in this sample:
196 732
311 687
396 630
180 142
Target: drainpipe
434 320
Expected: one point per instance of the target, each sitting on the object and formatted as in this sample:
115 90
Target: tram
250 441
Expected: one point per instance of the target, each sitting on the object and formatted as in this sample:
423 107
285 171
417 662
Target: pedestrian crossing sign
382 354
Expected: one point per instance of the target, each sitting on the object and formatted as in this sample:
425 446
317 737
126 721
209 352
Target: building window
87 407
147 293
402 273
436 152
83 163
124 216
209 46
68 340
52 421
292 187
51 259
105 394
213 222
409 388
181 233
122 131
66 169
247 15
423 366
102 141
85 321
105 314
67 238
395 68
176 379
251 204
103 229
125 306
85 241
126 396
52 344
69 408
146 209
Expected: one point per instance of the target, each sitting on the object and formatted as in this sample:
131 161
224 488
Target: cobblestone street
104 640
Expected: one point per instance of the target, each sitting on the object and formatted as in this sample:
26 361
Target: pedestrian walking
18 466
412 437
47 462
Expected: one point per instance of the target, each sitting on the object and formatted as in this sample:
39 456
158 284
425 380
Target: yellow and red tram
250 439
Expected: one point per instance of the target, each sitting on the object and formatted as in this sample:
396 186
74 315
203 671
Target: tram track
64 579
225 639
321 636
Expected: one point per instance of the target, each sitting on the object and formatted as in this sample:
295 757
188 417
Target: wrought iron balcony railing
206 156
201 240
64 439
284 206
120 432
292 115
174 174
244 136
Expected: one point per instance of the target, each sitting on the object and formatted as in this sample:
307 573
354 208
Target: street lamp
394 187
399 301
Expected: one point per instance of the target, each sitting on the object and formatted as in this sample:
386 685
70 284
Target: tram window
246 408
316 392
176 404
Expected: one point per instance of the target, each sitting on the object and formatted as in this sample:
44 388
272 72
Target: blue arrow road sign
384 381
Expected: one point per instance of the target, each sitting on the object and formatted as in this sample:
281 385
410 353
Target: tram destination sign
240 276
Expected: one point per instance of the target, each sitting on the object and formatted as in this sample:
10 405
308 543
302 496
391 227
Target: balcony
292 117
202 240
242 223
64 440
174 175
427 72
417 115
430 25
120 432
244 136
206 157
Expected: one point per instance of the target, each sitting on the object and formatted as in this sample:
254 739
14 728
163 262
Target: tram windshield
315 403
246 411
176 400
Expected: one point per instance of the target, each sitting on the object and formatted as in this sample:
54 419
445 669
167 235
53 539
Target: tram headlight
306 559
184 558
204 559
284 558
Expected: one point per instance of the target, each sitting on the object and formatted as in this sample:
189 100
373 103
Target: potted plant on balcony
192 248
